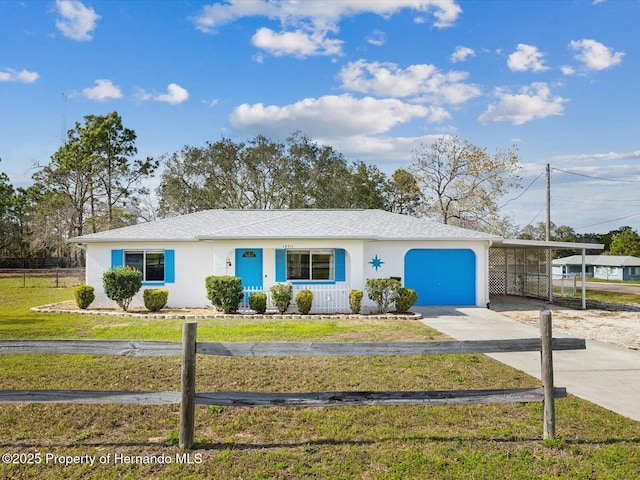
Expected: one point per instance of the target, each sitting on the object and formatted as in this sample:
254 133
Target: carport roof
542 244
298 224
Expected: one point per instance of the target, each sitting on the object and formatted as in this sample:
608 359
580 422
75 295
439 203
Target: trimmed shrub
383 291
304 300
355 300
281 295
121 284
155 299
258 302
84 295
407 298
225 292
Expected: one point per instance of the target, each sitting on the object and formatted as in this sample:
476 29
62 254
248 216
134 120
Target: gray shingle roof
306 223
600 260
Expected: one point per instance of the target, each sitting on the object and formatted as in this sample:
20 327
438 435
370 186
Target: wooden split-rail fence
188 397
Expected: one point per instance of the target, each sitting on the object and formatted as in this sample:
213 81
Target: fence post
188 370
549 419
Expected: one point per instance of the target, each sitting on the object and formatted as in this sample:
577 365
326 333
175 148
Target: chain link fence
42 278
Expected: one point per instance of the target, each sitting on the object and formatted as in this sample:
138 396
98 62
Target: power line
608 221
523 192
595 178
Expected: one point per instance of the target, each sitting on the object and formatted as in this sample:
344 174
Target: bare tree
461 182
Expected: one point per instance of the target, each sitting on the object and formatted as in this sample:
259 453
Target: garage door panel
442 276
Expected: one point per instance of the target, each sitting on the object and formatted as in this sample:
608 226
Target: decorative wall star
376 262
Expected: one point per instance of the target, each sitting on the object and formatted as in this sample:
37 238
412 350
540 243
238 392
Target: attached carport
523 267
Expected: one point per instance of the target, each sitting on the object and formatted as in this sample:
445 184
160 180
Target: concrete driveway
604 374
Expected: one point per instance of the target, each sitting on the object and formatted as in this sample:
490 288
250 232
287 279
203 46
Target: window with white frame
310 264
149 262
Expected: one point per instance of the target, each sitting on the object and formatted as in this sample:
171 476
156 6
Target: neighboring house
327 251
607 267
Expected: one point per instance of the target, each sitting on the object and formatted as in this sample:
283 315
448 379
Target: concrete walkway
604 374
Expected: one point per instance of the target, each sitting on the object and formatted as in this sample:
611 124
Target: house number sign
287 245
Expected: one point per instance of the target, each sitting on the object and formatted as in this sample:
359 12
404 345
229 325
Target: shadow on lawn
325 442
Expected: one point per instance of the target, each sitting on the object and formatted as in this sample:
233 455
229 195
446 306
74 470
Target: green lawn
481 441
599 299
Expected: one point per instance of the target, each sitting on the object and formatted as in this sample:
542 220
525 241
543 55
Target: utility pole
548 236
548 230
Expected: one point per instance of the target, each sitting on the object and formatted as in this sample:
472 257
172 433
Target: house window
633 270
150 263
310 264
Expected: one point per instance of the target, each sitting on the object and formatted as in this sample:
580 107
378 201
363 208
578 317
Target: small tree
383 291
224 292
281 295
121 284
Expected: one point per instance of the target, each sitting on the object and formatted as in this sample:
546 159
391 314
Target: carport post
584 279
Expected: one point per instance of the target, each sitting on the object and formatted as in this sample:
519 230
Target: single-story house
327 251
607 267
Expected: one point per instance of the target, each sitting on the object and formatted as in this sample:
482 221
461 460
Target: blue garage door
441 276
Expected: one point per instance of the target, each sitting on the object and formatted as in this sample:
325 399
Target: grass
600 299
480 441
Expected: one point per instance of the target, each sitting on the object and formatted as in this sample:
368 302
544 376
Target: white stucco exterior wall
194 261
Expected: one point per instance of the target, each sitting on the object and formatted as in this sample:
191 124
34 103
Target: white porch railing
326 298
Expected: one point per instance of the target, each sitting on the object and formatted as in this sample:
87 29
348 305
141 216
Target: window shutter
169 266
281 265
116 258
341 265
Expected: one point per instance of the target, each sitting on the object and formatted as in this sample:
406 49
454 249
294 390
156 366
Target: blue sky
374 79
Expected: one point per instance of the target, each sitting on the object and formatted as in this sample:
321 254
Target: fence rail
188 397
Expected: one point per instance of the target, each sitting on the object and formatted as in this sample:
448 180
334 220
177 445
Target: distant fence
326 298
33 263
188 397
44 278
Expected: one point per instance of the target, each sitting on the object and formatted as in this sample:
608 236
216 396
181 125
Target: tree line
93 182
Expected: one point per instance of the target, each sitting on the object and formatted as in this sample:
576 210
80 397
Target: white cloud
567 70
213 16
531 102
594 55
305 25
103 90
526 57
23 76
329 116
418 81
379 149
376 38
297 43
77 21
581 158
141 95
461 54
175 95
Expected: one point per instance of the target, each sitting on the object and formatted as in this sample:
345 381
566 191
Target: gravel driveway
620 326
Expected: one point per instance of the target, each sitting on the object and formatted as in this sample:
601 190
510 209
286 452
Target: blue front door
249 266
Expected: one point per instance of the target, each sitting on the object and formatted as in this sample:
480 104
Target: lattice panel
518 271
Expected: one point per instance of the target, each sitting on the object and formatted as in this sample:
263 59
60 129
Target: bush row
226 292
